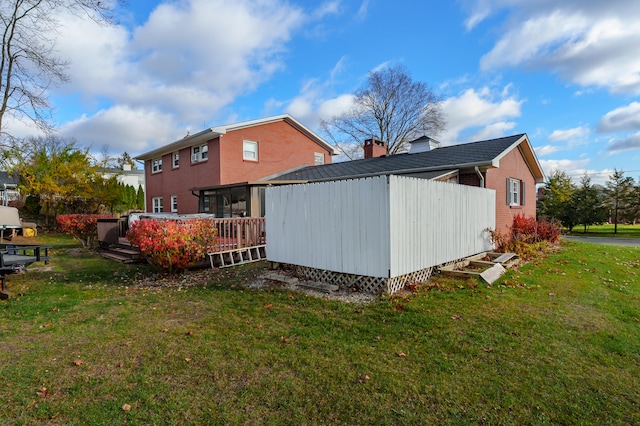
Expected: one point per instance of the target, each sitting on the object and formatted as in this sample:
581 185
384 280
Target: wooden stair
122 253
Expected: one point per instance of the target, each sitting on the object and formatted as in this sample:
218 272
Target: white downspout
480 176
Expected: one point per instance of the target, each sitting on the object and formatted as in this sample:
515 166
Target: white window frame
156 165
199 153
250 150
515 192
175 160
174 203
156 202
318 158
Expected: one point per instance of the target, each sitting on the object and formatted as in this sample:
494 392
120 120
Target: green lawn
606 230
557 341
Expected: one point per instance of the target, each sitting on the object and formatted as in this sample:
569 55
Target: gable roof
214 132
484 154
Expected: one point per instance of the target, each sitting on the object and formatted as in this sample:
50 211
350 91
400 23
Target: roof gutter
477 169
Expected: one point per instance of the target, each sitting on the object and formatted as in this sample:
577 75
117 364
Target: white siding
380 227
436 222
340 226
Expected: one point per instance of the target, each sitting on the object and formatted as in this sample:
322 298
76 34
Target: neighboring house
507 165
214 171
9 193
127 176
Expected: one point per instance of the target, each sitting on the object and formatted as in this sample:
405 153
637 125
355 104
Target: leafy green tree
59 173
619 195
556 202
588 204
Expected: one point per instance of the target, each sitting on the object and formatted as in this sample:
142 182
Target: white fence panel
436 222
340 226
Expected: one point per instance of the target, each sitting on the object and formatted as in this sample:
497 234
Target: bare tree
29 66
390 107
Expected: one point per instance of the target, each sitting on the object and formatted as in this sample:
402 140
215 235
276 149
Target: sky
566 72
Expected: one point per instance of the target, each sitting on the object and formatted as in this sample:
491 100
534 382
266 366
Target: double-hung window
156 165
199 153
318 158
174 203
175 160
250 150
157 204
515 192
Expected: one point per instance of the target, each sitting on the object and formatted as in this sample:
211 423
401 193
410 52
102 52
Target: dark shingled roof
448 157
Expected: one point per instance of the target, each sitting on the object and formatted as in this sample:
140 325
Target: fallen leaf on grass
190 333
268 306
401 354
126 407
42 393
455 317
284 339
488 349
259 326
77 362
364 378
636 319
164 330
552 294
187 359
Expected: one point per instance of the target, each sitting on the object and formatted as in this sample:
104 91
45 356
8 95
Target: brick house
213 171
507 165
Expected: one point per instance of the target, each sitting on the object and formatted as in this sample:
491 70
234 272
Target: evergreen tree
588 204
619 193
140 198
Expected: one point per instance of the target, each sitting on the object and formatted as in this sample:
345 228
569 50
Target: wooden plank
493 273
505 257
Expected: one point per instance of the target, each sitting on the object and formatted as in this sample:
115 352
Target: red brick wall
512 165
280 147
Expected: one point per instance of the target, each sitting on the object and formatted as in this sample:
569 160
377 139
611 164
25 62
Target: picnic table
15 258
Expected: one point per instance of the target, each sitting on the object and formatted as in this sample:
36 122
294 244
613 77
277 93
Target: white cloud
628 143
590 43
188 61
546 150
569 134
479 114
571 167
621 119
122 129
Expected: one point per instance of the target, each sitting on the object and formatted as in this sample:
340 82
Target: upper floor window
156 165
175 160
515 192
199 153
318 158
157 204
250 150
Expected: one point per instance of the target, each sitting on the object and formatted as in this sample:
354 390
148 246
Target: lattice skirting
363 283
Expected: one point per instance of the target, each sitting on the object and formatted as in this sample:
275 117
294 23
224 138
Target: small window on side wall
199 153
156 165
515 192
318 158
250 150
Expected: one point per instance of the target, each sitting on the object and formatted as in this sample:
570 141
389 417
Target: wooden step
122 258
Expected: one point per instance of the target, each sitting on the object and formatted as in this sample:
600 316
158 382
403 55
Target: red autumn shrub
82 227
526 236
173 245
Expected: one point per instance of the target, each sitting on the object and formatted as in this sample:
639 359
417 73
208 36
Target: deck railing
233 233
240 232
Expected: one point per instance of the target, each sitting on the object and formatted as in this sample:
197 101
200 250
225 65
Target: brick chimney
374 148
